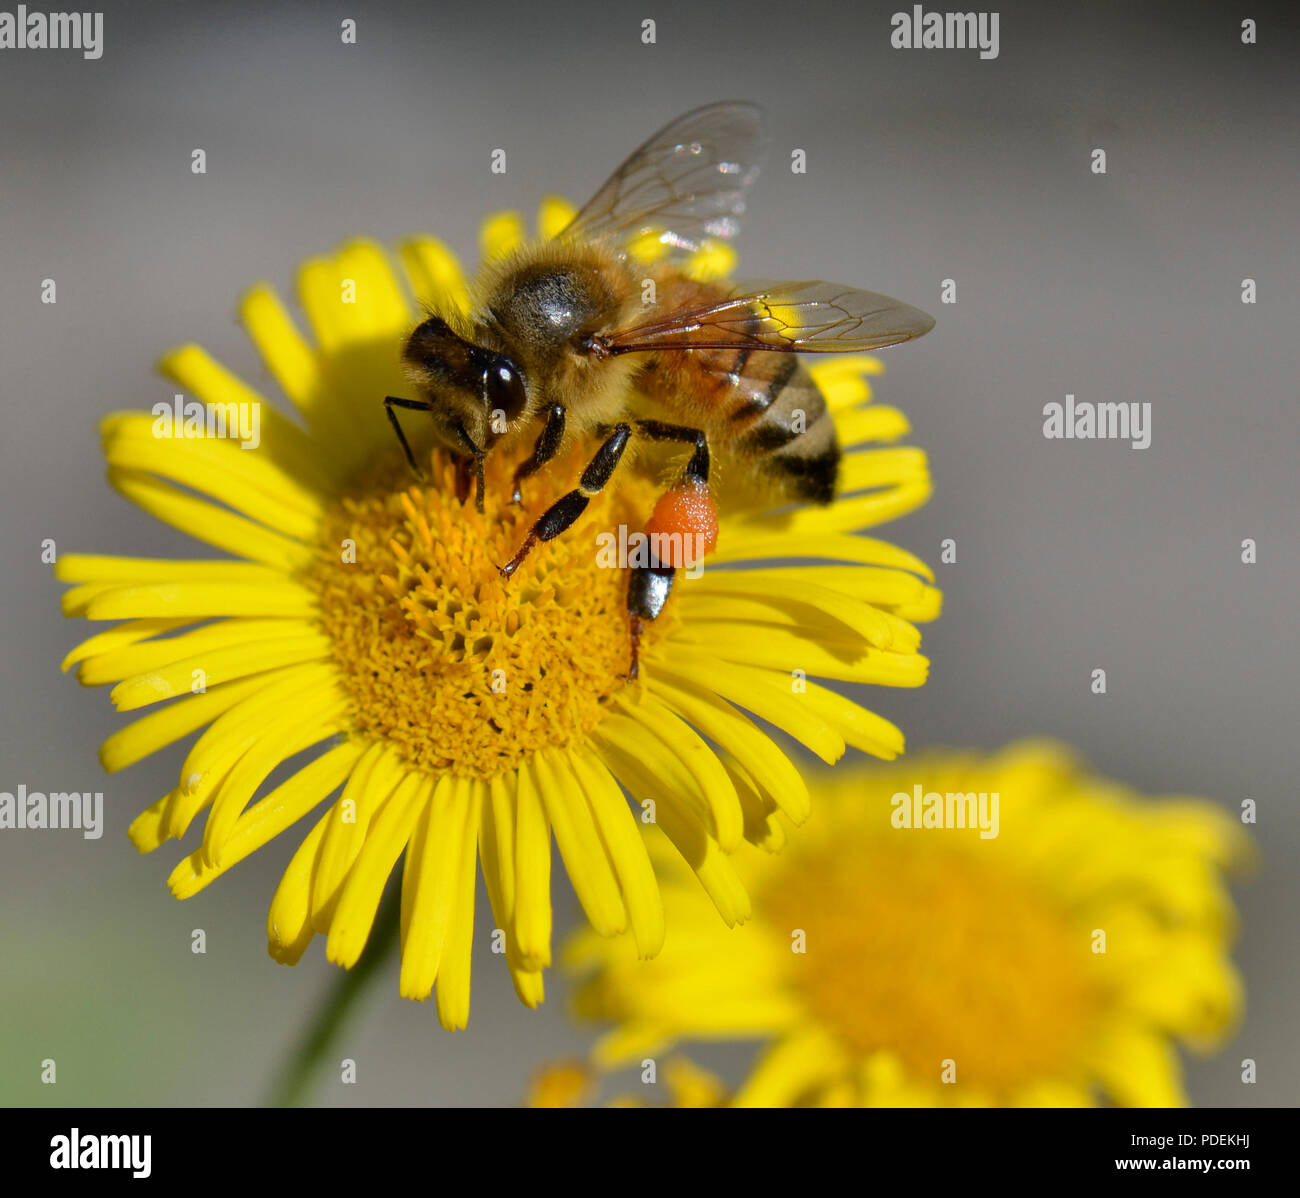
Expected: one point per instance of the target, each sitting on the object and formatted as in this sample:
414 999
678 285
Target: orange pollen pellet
683 528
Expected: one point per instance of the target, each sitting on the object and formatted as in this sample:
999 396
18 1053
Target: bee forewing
808 317
686 185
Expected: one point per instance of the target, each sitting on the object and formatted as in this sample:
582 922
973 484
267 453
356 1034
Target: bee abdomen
790 433
763 409
809 474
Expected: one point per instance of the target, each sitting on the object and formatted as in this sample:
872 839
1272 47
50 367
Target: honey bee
562 344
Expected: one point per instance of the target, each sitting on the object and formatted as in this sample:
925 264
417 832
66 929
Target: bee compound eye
503 388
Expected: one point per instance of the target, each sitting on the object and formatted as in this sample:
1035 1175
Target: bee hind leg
696 472
648 588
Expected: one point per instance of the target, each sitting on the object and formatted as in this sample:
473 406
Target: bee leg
548 443
696 472
634 649
565 510
463 480
648 588
478 455
391 402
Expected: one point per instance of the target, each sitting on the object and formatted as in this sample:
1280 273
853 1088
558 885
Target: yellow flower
560 1084
570 1083
363 619
1054 963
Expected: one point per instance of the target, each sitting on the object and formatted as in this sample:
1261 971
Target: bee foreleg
548 443
565 510
391 402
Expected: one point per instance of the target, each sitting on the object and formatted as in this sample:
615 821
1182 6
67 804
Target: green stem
292 1085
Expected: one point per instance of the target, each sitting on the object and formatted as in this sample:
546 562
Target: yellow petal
359 899
682 826
368 788
731 730
216 667
532 873
207 522
579 844
430 883
284 737
288 922
553 216
435 275
118 664
129 633
314 463
201 600
284 349
626 849
246 480
685 763
789 1069
500 234
163 727
762 692
272 815
875 423
457 958
747 542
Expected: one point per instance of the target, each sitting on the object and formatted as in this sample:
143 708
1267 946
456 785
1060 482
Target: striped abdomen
762 408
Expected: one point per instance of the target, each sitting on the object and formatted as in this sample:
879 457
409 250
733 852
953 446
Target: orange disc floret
683 527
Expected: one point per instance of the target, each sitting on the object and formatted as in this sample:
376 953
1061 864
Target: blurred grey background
922 165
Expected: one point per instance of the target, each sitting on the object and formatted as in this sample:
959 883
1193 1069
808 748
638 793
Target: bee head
477 389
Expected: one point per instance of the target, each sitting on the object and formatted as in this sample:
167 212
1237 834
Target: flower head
898 962
454 716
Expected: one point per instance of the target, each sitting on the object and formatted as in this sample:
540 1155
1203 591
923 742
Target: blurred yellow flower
1053 955
571 1083
363 619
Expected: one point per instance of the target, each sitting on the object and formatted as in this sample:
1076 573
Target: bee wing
809 317
687 184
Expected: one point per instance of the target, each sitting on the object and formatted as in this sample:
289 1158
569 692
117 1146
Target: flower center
930 953
457 668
